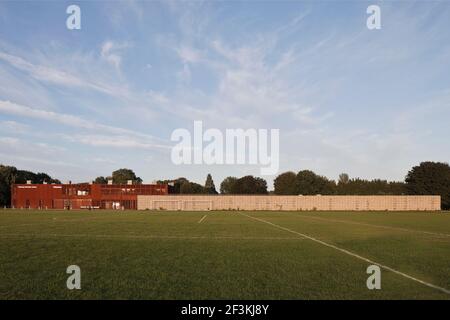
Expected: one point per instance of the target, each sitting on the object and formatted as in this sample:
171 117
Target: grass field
223 255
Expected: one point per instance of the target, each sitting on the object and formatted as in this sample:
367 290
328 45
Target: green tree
228 185
42 177
210 188
10 175
174 185
430 178
285 183
250 185
121 176
373 187
397 188
101 180
7 177
343 178
22 176
309 183
188 187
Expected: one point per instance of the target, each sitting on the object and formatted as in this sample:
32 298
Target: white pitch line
124 236
55 219
376 225
203 218
447 291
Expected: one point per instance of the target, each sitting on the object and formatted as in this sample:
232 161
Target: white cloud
157 97
189 54
116 141
41 72
14 127
25 111
20 146
59 77
120 14
103 160
112 53
68 120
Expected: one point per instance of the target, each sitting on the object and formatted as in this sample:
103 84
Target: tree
228 185
343 178
188 187
174 185
397 187
285 183
7 177
210 188
101 180
10 175
373 187
22 176
309 183
121 176
250 185
42 177
430 178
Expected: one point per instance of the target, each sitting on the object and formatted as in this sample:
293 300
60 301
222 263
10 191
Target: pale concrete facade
289 203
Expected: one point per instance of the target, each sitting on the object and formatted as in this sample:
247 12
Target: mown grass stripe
124 236
444 290
375 225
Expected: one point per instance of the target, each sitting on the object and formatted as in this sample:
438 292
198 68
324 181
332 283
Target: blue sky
80 103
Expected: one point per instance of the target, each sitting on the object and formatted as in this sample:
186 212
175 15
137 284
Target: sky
78 104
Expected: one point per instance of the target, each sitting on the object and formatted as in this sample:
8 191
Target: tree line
231 185
306 182
428 178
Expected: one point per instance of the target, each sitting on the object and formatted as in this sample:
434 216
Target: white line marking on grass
125 236
351 254
376 225
52 221
203 218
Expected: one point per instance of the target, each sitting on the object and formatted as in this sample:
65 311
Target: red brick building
81 196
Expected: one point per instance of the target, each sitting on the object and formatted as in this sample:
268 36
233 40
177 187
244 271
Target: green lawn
229 255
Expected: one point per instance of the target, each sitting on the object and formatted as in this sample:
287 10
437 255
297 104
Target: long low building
289 203
81 195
